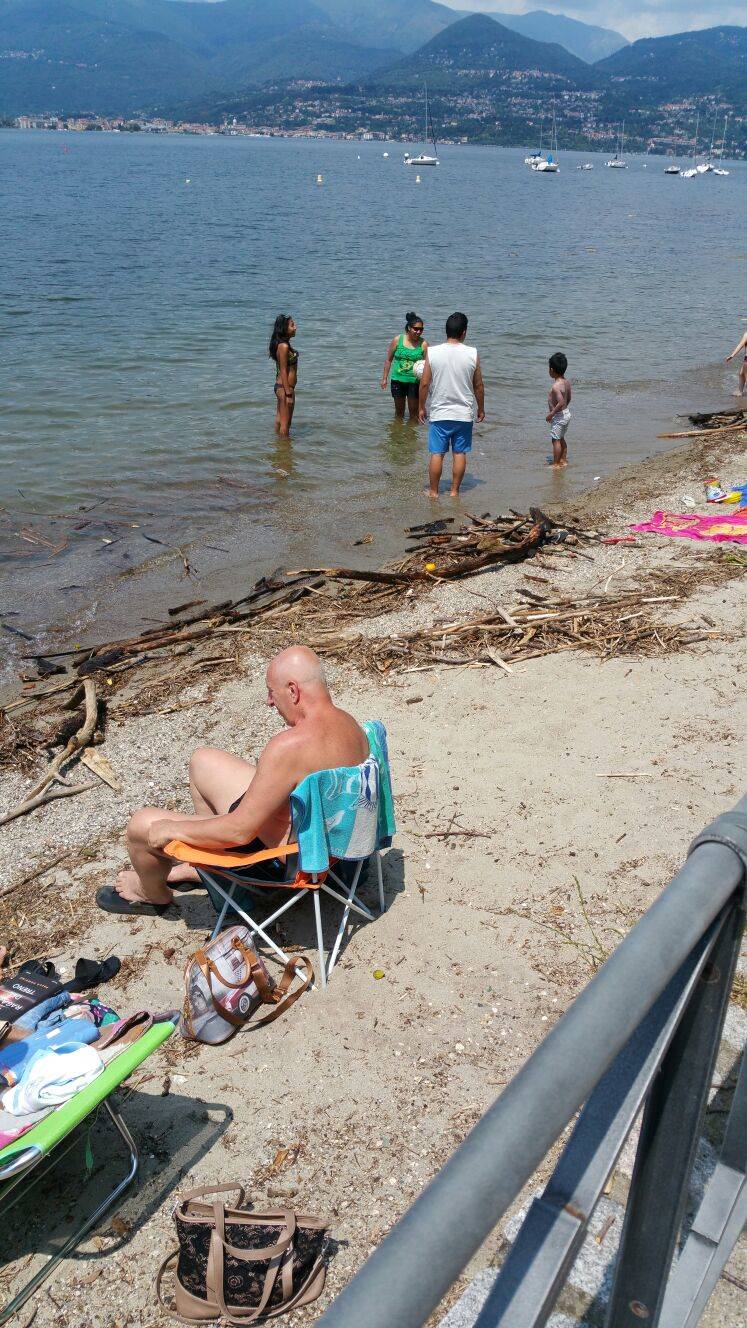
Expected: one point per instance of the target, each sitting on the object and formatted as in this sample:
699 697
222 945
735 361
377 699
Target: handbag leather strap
170 1258
282 999
285 1215
235 1188
276 994
208 969
279 1256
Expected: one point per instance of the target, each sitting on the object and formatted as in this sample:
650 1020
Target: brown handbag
240 1264
226 982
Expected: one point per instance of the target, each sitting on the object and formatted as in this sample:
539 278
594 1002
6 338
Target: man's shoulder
281 747
449 349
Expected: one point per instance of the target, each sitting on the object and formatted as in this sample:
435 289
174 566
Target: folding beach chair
26 1160
342 815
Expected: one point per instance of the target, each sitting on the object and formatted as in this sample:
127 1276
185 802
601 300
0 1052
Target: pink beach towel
725 526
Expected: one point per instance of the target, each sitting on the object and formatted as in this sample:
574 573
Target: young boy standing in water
559 415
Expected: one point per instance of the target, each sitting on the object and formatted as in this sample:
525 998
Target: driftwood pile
437 555
733 420
441 554
606 625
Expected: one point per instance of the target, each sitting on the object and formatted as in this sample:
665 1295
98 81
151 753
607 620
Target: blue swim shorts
445 434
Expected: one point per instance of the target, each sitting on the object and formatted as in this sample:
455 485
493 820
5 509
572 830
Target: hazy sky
637 18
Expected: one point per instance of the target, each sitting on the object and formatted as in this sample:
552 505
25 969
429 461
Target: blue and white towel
345 813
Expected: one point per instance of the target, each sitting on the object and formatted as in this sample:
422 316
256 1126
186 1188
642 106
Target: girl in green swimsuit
403 353
286 372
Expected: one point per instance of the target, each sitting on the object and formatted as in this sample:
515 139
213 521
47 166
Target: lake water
140 277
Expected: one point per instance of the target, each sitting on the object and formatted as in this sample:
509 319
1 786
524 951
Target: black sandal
91 973
111 902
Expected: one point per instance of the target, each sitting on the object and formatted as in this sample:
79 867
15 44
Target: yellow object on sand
430 567
378 973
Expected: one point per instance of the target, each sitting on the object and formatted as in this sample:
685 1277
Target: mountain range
585 40
119 57
130 57
476 51
712 61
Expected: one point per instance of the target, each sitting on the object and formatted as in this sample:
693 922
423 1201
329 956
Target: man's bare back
316 742
235 802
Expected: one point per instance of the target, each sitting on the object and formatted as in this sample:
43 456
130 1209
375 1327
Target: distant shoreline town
665 144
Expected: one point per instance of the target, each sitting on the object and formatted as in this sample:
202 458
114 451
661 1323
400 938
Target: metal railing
646 1029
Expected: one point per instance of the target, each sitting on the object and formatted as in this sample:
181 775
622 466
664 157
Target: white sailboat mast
713 135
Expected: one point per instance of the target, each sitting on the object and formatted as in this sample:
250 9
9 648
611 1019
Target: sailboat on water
616 163
549 166
693 170
721 169
673 168
705 167
423 158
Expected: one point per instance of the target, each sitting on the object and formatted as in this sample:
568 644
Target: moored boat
423 158
617 163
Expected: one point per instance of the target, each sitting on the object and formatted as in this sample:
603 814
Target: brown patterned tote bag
240 1264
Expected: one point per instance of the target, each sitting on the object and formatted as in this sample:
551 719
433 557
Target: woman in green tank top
403 353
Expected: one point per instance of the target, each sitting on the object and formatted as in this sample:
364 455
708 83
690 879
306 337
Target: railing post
672 1122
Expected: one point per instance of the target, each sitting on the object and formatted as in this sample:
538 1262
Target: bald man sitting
238 804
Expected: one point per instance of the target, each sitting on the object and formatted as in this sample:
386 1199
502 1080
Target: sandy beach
350 1103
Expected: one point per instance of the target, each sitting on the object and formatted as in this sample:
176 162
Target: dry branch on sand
626 623
43 791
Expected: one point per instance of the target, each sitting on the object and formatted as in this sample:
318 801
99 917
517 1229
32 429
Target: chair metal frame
304 883
25 1166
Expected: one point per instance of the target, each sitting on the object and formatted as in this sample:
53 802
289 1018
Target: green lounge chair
20 1162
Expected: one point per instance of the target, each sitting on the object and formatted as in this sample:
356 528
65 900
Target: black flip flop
39 968
92 972
111 902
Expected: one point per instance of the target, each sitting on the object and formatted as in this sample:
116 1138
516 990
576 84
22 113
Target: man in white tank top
453 377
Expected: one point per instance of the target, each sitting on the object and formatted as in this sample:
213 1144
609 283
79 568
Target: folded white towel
53 1077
